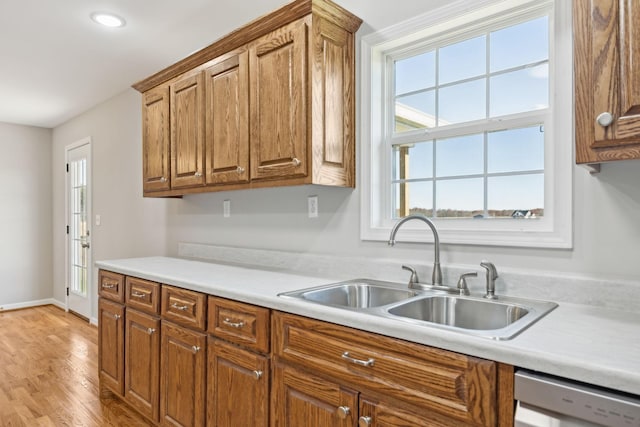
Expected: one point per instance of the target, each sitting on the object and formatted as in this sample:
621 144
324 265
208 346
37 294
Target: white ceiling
56 63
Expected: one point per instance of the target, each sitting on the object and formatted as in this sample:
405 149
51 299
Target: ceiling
56 63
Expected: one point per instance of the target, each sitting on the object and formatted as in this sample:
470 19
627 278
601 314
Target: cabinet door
607 80
187 131
301 399
155 140
376 413
278 84
227 119
111 345
182 376
142 363
237 387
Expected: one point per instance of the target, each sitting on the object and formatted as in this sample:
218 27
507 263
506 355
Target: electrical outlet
226 208
312 203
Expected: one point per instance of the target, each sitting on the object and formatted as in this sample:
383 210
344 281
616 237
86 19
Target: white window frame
554 229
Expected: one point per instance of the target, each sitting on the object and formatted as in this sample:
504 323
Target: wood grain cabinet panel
278 106
182 376
456 386
111 345
278 83
155 140
142 295
184 307
142 363
237 386
607 80
111 285
187 131
243 324
300 398
227 119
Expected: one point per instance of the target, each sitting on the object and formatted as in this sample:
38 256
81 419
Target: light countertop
594 345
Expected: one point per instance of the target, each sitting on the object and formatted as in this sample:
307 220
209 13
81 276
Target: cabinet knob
240 170
150 331
116 316
195 348
343 412
257 374
364 421
295 162
163 179
198 174
604 119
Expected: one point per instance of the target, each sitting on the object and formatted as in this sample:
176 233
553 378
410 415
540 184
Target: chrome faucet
436 276
492 275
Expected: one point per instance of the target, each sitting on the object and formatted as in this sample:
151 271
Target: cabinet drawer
184 307
143 295
239 323
111 285
451 384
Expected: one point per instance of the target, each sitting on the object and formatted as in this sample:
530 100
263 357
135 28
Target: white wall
25 219
131 225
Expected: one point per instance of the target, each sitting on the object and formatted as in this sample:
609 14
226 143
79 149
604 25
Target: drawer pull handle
343 412
257 374
233 324
195 348
369 362
108 285
150 331
180 307
364 421
137 294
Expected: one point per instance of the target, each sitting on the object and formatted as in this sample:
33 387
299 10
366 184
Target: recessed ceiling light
107 19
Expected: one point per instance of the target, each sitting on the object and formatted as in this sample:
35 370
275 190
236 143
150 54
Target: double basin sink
500 319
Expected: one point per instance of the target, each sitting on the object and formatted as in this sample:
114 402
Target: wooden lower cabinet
111 345
142 362
302 399
237 386
182 376
382 413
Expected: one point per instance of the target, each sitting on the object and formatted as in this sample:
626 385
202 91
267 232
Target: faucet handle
462 282
414 275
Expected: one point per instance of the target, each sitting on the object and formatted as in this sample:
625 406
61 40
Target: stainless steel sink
499 319
461 312
355 294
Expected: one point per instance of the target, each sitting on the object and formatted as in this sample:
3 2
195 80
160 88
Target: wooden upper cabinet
227 119
187 131
607 80
278 63
155 140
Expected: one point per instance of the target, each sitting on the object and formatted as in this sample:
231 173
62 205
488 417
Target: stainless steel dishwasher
546 401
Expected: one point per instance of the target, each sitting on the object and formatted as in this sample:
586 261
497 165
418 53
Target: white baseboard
35 303
94 321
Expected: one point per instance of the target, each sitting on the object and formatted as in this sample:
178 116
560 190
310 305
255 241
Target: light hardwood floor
49 372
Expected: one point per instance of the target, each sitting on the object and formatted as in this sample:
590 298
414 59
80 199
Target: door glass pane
79 231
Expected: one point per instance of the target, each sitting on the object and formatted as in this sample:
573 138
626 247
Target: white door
79 266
